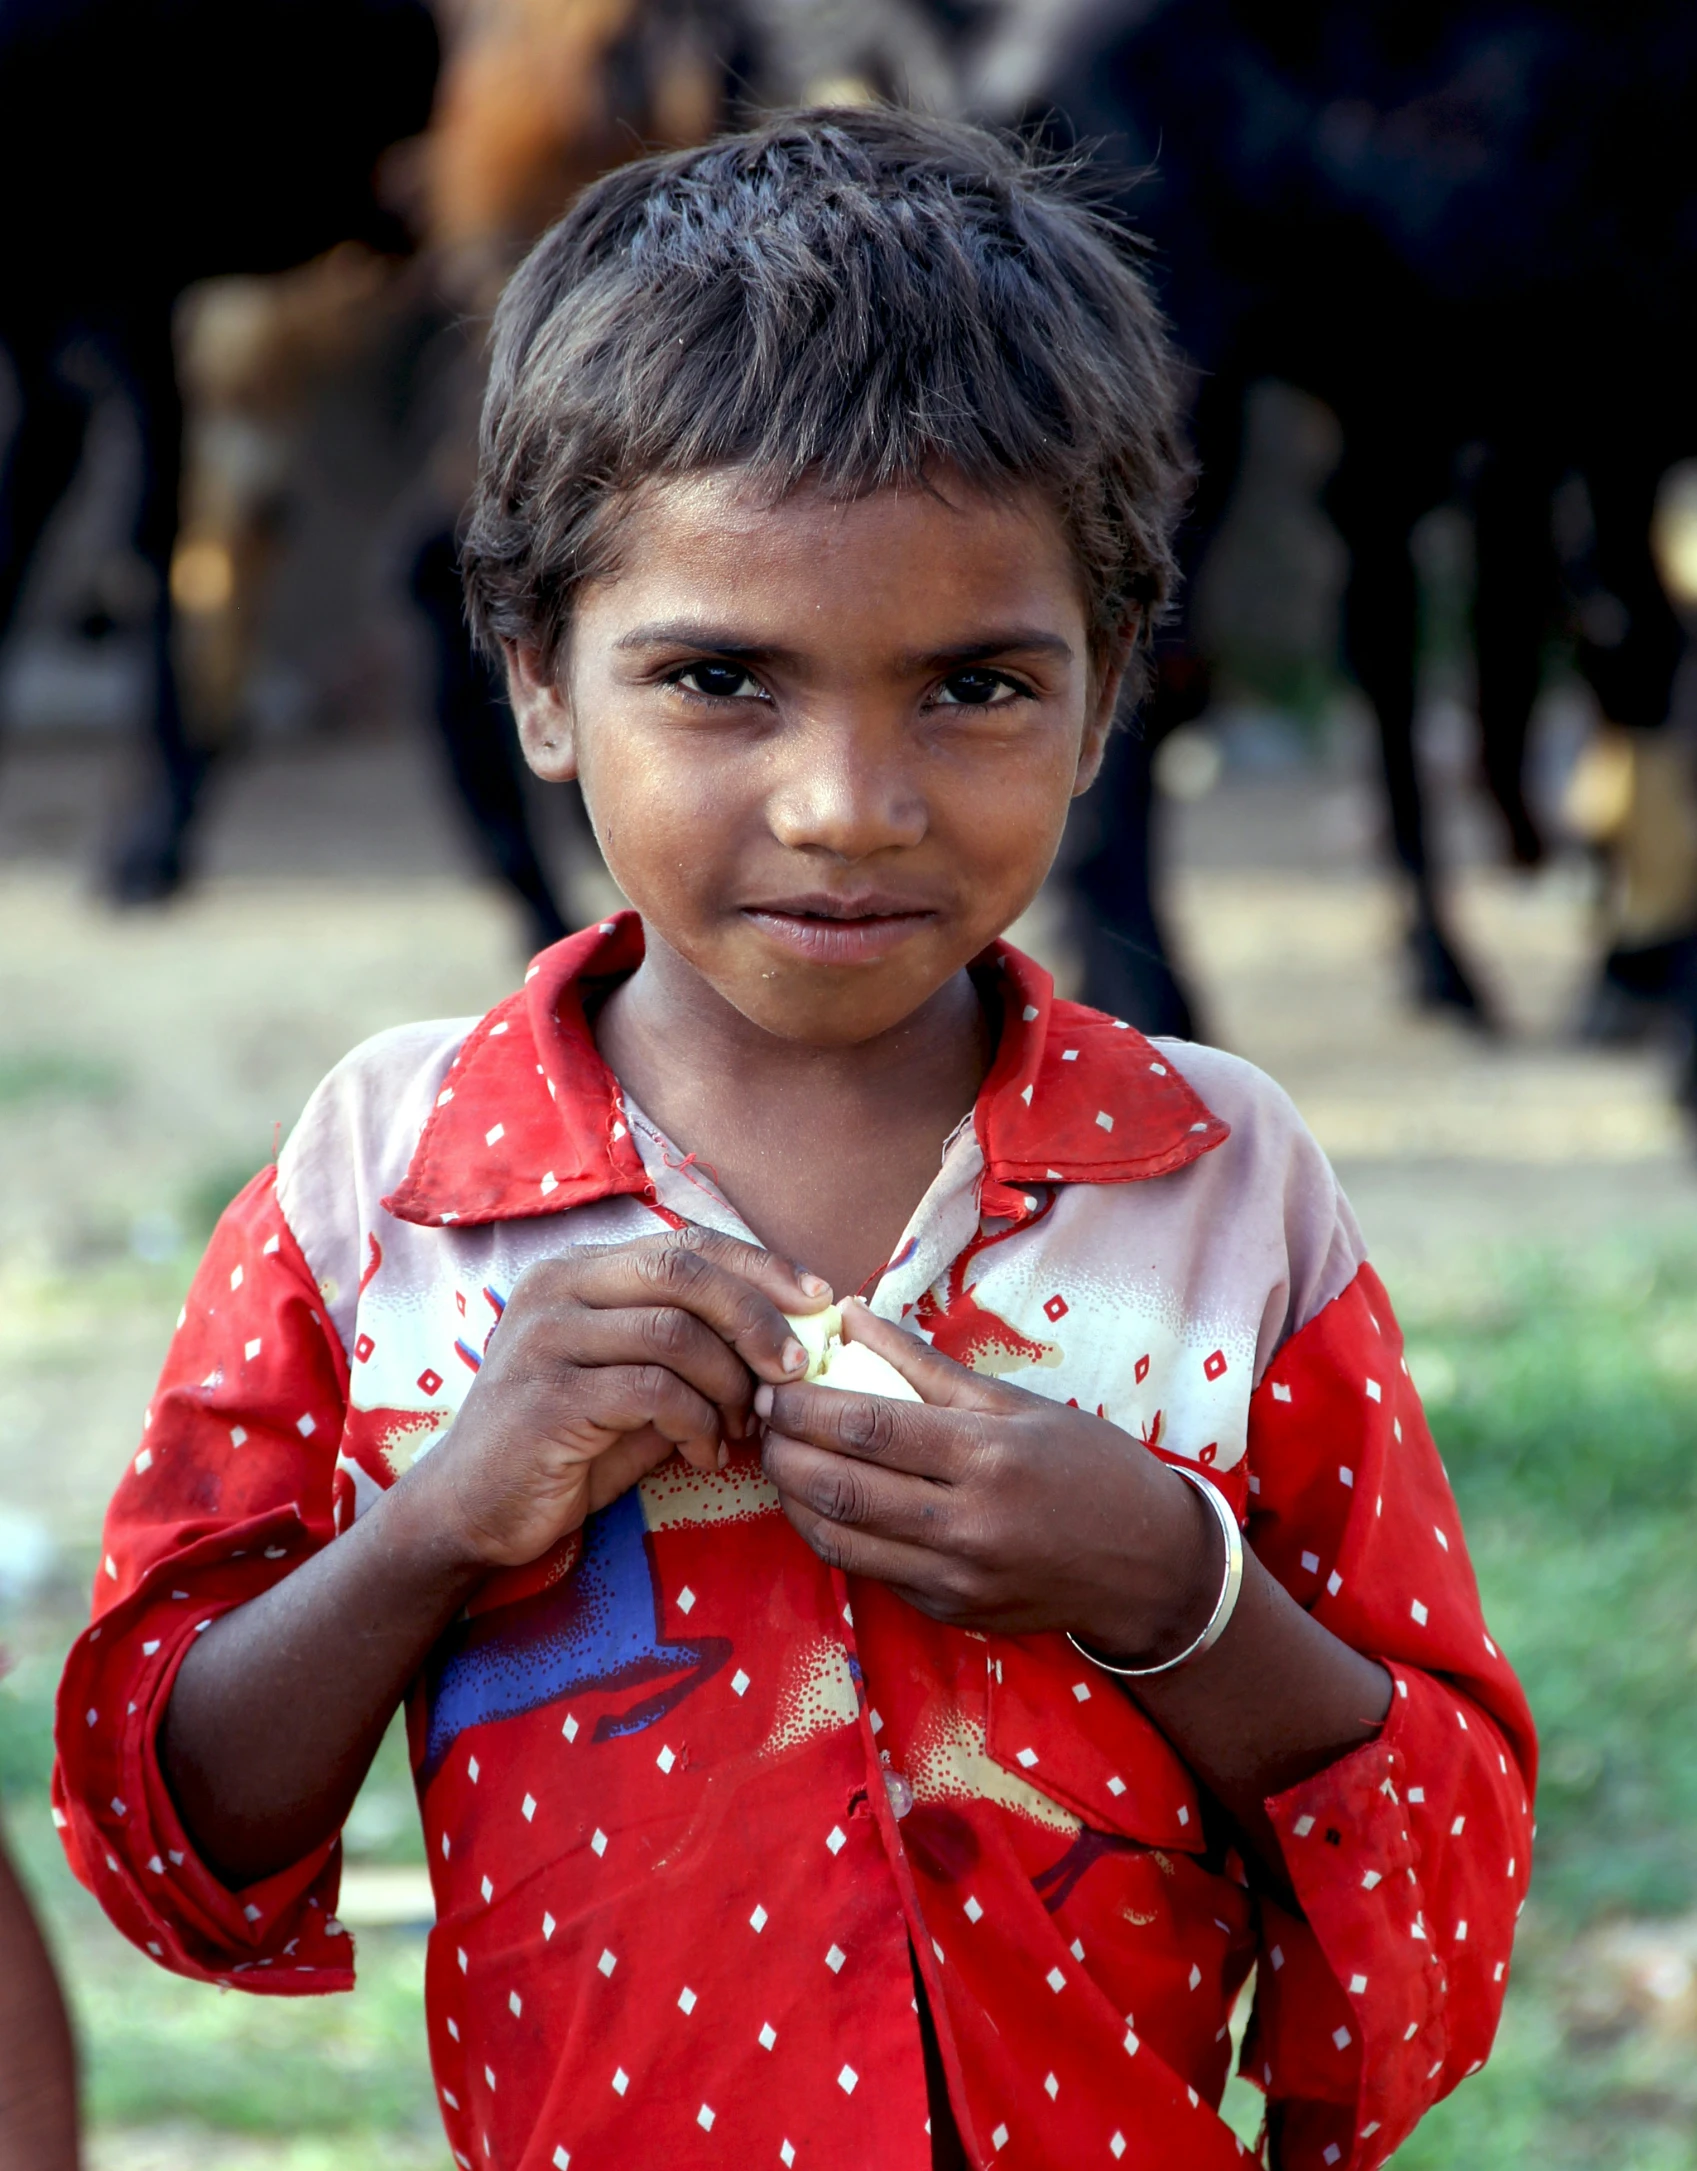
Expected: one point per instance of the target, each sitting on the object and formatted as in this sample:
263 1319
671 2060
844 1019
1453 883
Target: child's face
828 748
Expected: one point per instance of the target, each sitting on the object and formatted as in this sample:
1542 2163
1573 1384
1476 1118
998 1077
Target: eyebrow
731 641
685 633
1015 640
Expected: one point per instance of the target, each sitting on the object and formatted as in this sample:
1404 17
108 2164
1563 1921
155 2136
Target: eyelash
675 679
1017 687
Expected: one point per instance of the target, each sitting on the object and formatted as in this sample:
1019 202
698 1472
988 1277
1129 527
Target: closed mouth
821 905
841 930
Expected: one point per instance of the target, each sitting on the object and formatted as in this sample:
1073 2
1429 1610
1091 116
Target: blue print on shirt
598 1629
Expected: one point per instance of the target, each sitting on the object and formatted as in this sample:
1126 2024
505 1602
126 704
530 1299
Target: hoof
1440 982
147 868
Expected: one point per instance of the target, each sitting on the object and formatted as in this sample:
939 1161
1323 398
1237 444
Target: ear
543 715
1107 682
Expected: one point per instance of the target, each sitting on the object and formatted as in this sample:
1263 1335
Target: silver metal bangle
1224 1606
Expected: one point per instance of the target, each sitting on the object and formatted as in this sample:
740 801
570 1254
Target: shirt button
899 1791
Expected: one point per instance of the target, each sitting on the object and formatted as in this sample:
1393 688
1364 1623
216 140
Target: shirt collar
530 1120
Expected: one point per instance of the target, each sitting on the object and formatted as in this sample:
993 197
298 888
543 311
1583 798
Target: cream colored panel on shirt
352 1147
1159 1303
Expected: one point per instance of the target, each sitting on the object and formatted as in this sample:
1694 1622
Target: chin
823 1022
836 1010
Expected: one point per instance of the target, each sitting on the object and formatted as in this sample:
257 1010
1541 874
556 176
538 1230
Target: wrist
423 1531
1177 1584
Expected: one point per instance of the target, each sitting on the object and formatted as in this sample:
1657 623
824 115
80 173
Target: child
38 2057
811 1778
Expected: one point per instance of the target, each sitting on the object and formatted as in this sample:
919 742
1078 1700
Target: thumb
935 1378
626 1463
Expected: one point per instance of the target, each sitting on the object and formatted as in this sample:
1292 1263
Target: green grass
1566 1410
1569 1430
1541 2106
175 2050
206 1199
50 1074
347 2077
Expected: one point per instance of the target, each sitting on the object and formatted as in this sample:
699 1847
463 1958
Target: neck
824 1151
674 1041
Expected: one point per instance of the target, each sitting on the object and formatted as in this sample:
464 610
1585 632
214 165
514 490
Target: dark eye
719 681
976 689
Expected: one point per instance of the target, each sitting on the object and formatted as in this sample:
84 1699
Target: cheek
1005 814
662 810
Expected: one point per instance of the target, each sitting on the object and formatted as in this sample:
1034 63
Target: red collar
529 1119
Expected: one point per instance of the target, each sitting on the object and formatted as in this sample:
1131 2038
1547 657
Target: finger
631 1398
624 1464
860 1552
707 1454
668 1335
859 1495
937 1379
740 1291
928 1443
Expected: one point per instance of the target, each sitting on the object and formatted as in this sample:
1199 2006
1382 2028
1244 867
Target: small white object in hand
851 1366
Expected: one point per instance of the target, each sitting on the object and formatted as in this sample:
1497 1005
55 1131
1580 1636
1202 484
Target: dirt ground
149 1063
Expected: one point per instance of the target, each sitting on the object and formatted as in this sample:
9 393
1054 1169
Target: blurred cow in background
144 145
1471 231
535 98
538 97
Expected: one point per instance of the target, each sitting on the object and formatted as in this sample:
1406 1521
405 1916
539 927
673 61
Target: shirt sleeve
1409 1858
233 1485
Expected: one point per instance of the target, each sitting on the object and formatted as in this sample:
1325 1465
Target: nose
844 787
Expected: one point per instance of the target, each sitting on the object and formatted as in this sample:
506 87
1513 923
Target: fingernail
724 1454
792 1356
812 1286
763 1400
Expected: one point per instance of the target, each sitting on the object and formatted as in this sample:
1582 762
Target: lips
827 930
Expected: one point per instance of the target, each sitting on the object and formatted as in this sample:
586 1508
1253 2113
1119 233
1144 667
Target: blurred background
1410 817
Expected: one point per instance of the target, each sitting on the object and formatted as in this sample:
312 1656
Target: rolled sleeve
1409 1858
231 1489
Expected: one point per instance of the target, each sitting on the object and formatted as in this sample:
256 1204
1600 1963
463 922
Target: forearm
1277 1699
279 1707
38 2069
605 1359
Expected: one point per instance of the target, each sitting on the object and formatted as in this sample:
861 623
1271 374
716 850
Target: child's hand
992 1508
605 1360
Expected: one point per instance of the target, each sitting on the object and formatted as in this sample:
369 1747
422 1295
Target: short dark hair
849 298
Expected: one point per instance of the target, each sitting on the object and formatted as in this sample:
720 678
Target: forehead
914 558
